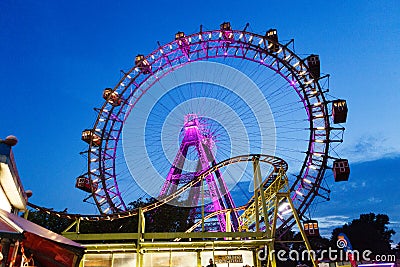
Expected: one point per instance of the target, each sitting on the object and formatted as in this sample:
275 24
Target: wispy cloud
374 200
332 221
371 147
328 223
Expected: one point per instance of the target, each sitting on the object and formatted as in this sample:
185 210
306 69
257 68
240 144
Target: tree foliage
165 218
369 232
50 222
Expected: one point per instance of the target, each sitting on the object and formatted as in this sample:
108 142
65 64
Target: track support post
303 234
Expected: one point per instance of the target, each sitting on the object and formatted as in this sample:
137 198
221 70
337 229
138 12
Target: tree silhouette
51 222
397 251
165 218
369 232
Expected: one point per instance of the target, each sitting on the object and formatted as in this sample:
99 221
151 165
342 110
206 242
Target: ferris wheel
245 93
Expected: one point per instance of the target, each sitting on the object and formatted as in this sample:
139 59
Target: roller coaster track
247 218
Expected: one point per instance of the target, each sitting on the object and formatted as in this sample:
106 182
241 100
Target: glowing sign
228 259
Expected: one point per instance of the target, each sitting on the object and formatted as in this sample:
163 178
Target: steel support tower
213 189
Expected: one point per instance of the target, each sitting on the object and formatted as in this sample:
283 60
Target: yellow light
283 206
309 82
306 181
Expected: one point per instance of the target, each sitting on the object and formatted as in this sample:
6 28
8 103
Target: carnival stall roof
12 193
49 249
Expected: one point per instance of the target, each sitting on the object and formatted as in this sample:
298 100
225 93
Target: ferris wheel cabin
339 111
112 97
182 42
311 228
83 183
272 36
226 30
142 64
315 66
91 138
341 170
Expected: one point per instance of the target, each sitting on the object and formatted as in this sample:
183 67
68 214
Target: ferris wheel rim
306 102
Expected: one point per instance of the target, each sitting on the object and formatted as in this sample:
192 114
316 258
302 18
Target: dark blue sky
57 56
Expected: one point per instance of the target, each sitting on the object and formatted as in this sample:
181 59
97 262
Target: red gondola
83 183
341 170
